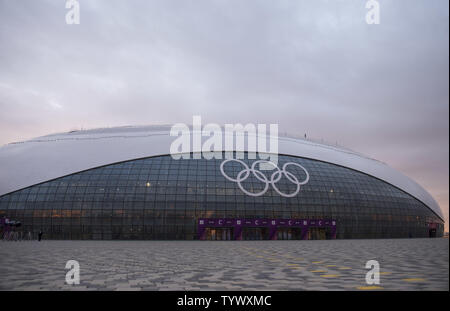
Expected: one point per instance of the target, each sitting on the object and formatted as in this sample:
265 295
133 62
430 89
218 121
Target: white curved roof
37 160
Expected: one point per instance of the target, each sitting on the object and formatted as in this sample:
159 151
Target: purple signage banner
273 224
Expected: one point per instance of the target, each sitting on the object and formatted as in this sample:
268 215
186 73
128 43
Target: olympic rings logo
274 178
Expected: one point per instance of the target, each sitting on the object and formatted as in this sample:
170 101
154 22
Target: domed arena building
122 183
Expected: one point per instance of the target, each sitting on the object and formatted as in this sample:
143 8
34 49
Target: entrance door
289 233
317 234
255 233
432 233
218 234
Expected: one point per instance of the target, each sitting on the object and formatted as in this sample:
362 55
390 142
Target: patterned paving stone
405 264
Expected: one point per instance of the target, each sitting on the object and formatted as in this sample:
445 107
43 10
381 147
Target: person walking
40 235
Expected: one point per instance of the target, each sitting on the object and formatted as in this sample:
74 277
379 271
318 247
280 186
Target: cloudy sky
311 66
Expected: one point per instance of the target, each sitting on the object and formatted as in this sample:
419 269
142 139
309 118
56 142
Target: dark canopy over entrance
268 229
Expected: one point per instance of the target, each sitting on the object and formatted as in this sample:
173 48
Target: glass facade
162 198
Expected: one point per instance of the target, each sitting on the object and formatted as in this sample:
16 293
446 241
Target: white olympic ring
275 177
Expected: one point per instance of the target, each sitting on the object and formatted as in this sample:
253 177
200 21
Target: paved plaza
405 264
